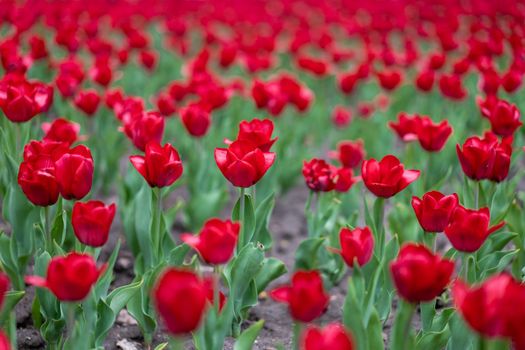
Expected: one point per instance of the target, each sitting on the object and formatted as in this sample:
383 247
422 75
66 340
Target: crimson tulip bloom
341 117
144 127
306 297
512 80
4 287
406 127
419 275
69 277
257 131
87 101
61 130
490 308
37 48
425 80
91 222
165 105
180 298
347 82
432 137
333 336
148 59
389 80
243 163
468 229
504 117
216 241
21 100
319 175
356 245
386 177
434 209
160 167
74 172
349 153
196 119
452 87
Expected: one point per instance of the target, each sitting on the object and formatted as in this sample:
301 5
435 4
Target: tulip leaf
402 337
496 262
262 220
177 255
102 286
248 225
271 269
11 298
461 337
247 338
353 317
375 332
306 253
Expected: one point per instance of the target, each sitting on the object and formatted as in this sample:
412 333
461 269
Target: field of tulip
300 174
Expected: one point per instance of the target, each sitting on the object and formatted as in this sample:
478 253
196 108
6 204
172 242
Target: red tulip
341 117
165 105
491 82
347 82
210 285
180 299
425 80
319 175
333 336
434 209
356 245
468 229
242 163
196 119
452 87
4 287
432 137
345 179
257 131
504 117
87 101
259 94
61 130
160 167
406 127
491 308
314 66
216 241
148 59
349 153
419 275
306 297
69 277
386 177
74 172
511 81
101 72
389 80
144 127
37 48
91 222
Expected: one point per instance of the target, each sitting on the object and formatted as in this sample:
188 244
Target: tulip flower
406 127
341 117
143 127
180 300
389 80
87 101
305 296
216 241
333 336
432 137
4 287
148 59
490 308
319 175
468 229
69 277
165 105
74 172
419 275
91 222
160 167
196 119
37 48
349 153
386 177
257 131
242 163
61 130
434 210
425 80
357 245
347 82
38 182
512 80
452 87
210 284
504 118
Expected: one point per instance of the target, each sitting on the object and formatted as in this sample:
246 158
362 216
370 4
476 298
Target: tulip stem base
297 330
176 343
242 235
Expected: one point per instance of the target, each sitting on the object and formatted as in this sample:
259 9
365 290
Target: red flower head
356 245
242 163
61 130
452 87
143 128
319 175
165 105
4 287
386 177
389 80
511 81
87 101
196 119
5 344
314 66
341 116
101 72
432 137
434 210
69 277
257 131
504 117
148 59
216 241
406 127
160 167
37 48
210 284
468 229
425 80
490 82
180 298
91 222
74 172
347 82
349 153
306 297
418 274
334 337
260 94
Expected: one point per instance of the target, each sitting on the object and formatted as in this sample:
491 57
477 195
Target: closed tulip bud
468 229
349 153
87 101
434 209
91 222
165 105
180 298
74 172
347 82
419 275
386 177
160 167
425 80
504 118
61 130
196 119
305 296
260 94
341 117
69 277
389 80
215 242
148 59
511 81
357 245
333 336
432 137
242 163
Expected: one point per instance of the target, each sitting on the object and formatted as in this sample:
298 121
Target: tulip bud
349 153
196 119
91 222
160 167
74 172
61 130
356 245
87 101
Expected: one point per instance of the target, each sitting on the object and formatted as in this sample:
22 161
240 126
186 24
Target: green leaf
248 226
247 338
375 332
306 253
271 269
402 337
262 220
353 317
162 346
177 255
11 298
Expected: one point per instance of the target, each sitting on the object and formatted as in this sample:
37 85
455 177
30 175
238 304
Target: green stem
464 263
47 231
297 330
401 337
242 240
176 343
70 317
156 217
476 195
482 343
216 288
